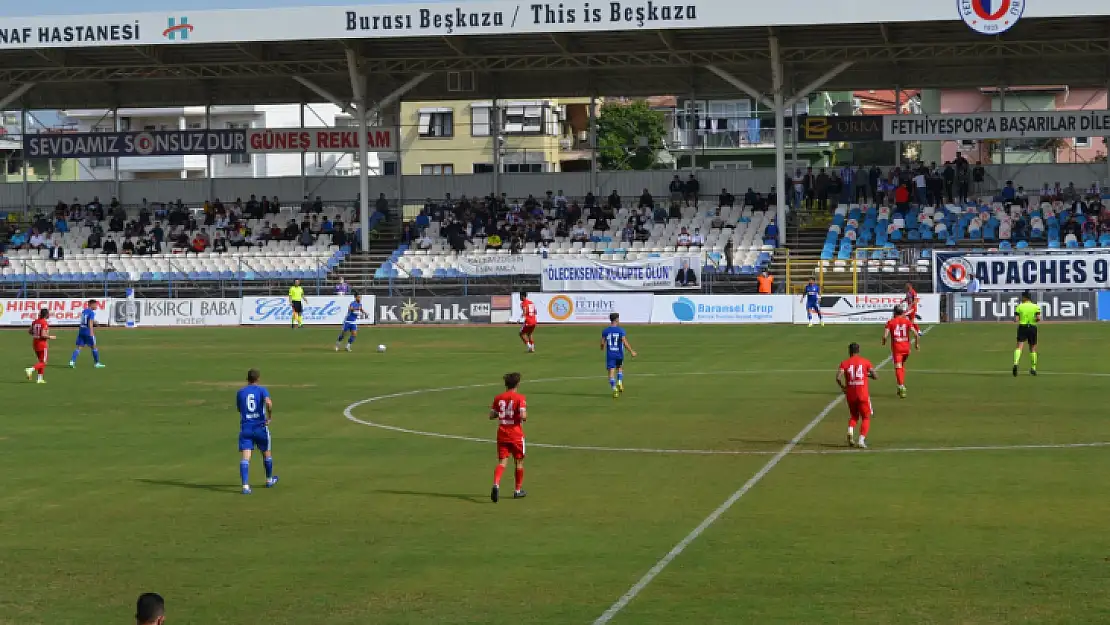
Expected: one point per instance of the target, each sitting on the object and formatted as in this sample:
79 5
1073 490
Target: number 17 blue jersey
614 346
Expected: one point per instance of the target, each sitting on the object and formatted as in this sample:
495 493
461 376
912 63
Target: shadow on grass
216 488
414 493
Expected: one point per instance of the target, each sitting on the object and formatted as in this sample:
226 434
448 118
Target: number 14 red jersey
511 408
857 371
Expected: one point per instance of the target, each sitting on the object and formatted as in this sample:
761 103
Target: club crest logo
991 17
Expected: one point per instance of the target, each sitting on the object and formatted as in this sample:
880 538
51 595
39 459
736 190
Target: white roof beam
324 93
742 86
19 92
818 83
398 93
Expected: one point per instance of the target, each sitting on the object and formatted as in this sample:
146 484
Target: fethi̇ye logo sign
560 308
991 17
177 28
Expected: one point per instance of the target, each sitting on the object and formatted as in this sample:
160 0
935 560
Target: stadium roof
519 50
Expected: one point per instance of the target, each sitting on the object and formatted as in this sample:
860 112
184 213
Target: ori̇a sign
204 142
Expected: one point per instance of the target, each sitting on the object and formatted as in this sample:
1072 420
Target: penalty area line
708 521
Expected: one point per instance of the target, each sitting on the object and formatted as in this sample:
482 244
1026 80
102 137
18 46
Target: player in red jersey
528 312
852 376
40 336
899 330
911 307
510 410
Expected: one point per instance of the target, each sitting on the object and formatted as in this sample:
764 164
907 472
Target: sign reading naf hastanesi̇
200 142
997 125
995 272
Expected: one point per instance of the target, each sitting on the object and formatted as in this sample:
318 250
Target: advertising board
842 309
63 311
588 307
695 308
318 310
433 310
999 306
178 312
952 272
647 274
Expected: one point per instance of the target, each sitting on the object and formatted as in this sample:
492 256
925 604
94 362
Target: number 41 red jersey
528 309
511 408
39 332
900 328
857 371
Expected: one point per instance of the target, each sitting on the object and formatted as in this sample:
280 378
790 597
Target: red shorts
41 353
528 327
506 449
859 407
900 356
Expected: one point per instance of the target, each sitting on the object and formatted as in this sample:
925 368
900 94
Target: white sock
851 431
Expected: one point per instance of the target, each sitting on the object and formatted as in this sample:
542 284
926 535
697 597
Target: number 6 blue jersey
251 402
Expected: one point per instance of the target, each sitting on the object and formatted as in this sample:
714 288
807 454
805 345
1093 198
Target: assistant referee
296 300
1027 315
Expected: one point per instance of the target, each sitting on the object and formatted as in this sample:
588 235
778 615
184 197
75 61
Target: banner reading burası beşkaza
648 274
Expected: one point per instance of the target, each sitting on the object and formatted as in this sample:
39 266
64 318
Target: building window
437 170
730 165
523 168
194 126
100 162
483 168
524 120
389 168
1082 142
480 121
238 159
437 124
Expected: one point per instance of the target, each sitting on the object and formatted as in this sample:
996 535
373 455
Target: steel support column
495 132
692 127
209 169
780 134
19 92
304 156
327 95
358 90
1002 142
818 83
743 86
23 158
897 111
593 144
115 159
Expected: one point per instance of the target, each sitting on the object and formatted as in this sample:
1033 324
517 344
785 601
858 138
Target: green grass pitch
123 480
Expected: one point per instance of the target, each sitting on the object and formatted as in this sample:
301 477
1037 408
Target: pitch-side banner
433 310
999 306
155 313
587 307
695 308
478 265
996 125
63 312
649 274
952 272
318 310
199 142
867 308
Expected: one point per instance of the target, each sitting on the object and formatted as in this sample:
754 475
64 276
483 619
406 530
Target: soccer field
982 500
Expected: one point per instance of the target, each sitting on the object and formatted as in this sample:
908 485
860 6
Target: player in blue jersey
255 412
350 323
86 336
614 341
812 297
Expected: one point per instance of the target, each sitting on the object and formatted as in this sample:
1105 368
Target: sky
11 8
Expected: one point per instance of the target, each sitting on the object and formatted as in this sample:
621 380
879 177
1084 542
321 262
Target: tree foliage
629 135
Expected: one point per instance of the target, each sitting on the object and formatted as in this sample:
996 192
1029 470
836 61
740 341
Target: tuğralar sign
997 125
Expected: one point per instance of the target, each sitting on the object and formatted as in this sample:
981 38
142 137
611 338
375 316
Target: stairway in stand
805 235
358 269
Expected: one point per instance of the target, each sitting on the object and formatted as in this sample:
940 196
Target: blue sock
96 355
809 315
340 339
76 353
269 462
613 383
244 471
620 376
351 341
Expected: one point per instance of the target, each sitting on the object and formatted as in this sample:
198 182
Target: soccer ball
381 349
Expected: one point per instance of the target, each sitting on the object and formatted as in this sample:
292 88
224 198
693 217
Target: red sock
519 477
864 426
40 368
852 422
900 375
497 474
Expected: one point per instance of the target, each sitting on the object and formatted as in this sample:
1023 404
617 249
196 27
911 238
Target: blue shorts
85 340
255 437
613 362
812 304
350 327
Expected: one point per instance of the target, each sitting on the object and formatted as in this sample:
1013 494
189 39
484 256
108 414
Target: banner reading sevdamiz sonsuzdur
649 274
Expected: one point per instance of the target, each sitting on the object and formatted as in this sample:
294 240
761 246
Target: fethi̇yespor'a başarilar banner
648 274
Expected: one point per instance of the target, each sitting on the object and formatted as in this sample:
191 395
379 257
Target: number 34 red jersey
511 408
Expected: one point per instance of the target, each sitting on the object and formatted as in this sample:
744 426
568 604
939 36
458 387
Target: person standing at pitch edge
296 300
1027 315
